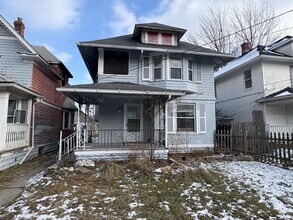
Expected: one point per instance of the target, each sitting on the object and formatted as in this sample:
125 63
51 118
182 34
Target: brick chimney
19 26
246 47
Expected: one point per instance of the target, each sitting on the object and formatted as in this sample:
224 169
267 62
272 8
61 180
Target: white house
258 85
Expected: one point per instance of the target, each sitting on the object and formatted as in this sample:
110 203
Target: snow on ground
273 184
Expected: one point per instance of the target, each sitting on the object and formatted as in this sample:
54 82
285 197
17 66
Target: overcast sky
59 24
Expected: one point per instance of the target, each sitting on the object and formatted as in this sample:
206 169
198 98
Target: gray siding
286 49
11 64
4 32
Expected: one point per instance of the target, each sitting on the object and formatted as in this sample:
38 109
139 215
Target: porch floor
119 152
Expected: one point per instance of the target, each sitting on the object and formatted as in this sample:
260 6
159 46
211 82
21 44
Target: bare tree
217 25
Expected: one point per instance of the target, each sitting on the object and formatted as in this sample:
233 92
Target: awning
96 92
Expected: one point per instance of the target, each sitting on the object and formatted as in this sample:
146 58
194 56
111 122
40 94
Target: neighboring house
150 87
258 86
32 111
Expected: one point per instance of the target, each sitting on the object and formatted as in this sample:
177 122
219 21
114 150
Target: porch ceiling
98 92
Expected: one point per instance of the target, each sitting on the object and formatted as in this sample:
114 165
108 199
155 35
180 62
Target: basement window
116 62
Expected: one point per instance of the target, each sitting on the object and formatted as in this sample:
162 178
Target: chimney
246 47
19 26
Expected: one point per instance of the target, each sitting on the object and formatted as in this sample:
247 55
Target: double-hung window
190 70
157 64
186 117
175 67
247 79
67 120
133 118
198 72
146 68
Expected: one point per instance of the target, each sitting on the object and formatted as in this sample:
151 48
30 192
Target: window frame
194 117
190 69
154 67
69 127
198 71
172 57
247 79
146 67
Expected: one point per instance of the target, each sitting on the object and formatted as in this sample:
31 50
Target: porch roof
16 89
91 93
280 96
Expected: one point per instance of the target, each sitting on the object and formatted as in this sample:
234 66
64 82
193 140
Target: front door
133 122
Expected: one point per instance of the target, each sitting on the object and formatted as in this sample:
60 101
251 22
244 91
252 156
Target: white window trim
195 118
202 117
192 69
125 115
174 118
170 66
144 67
247 79
196 71
153 67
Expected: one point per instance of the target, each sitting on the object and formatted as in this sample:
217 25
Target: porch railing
17 135
123 137
67 145
281 129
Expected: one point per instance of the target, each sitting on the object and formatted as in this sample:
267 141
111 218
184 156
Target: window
153 37
146 68
190 70
186 117
202 118
133 118
157 67
67 120
19 116
11 108
166 39
291 75
247 79
175 67
198 71
116 62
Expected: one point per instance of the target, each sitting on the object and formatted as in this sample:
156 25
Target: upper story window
175 67
198 72
247 79
167 39
190 71
157 64
152 37
116 62
146 68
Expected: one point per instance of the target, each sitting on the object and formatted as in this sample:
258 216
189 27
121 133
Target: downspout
166 121
33 131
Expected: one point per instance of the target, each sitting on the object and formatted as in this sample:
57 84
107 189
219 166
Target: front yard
141 190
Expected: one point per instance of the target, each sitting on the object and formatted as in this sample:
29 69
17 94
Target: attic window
152 37
116 62
166 39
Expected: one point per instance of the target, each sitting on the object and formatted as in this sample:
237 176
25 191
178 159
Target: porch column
4 99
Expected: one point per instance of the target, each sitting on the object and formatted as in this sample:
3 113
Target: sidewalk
14 179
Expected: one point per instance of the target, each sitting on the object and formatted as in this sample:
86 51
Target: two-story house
150 86
258 86
32 112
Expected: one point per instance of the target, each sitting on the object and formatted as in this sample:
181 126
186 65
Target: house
150 87
258 86
32 111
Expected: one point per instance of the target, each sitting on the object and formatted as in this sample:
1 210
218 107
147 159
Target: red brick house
33 110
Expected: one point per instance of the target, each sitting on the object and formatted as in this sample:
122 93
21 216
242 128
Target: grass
132 190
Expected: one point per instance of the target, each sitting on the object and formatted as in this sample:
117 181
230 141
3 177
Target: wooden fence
276 148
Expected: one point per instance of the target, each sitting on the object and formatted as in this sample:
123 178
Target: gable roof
51 58
254 55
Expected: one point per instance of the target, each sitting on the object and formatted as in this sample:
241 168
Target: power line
199 46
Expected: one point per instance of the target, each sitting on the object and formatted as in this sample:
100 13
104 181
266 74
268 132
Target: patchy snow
109 199
135 204
273 184
238 62
283 94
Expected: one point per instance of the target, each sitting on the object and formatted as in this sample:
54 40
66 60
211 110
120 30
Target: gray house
150 87
259 85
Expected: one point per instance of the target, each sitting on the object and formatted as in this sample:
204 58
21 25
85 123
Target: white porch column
4 99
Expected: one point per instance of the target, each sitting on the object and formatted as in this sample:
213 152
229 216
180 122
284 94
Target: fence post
60 146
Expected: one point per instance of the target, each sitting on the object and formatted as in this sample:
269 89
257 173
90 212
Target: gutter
33 131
